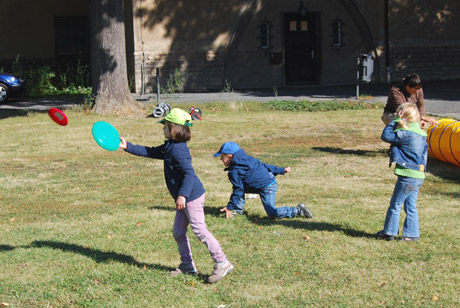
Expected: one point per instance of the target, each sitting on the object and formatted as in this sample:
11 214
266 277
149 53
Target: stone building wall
432 62
425 38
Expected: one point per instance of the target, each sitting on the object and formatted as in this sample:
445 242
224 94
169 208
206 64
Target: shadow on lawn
382 152
290 223
9 113
443 170
6 248
214 211
163 208
308 225
98 255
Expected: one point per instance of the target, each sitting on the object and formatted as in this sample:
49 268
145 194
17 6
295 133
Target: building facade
211 45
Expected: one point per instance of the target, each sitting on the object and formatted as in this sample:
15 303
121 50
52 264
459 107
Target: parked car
10 86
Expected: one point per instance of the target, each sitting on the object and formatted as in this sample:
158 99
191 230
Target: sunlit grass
85 227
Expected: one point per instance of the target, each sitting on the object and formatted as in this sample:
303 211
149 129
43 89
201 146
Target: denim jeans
405 192
268 198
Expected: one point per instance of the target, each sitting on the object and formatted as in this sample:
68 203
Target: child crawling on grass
187 190
249 175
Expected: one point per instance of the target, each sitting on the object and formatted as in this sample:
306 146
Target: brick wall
432 62
204 69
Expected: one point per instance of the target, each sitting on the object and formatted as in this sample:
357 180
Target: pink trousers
193 214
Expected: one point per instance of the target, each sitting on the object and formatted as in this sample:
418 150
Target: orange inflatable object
444 141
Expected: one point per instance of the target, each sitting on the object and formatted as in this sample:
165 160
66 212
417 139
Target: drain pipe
142 79
387 41
142 46
158 84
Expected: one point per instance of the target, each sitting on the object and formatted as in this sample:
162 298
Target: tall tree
108 59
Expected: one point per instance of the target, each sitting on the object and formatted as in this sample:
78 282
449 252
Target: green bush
314 106
45 80
176 82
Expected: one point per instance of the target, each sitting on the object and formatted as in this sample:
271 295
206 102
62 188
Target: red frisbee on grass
58 116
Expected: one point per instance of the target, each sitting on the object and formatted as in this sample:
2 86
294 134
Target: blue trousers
405 192
268 198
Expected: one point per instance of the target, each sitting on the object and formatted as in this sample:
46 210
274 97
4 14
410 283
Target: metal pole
357 79
142 80
158 84
387 41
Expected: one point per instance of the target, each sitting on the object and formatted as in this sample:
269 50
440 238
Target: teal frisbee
106 135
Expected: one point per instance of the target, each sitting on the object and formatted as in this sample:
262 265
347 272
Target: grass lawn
84 227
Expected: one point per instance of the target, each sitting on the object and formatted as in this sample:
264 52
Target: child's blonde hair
408 113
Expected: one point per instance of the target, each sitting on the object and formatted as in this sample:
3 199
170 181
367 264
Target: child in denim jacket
409 151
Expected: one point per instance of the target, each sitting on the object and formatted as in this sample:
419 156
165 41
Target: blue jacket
408 149
180 177
249 175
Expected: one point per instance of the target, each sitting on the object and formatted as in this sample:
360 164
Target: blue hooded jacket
180 176
249 175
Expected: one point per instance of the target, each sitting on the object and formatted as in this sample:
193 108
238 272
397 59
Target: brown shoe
381 235
186 269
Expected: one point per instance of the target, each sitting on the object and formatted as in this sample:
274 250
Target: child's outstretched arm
275 169
287 169
140 150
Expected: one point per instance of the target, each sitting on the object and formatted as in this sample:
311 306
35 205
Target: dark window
71 35
265 35
337 33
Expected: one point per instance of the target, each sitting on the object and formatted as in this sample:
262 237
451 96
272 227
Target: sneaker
186 269
220 270
302 209
237 213
381 235
409 239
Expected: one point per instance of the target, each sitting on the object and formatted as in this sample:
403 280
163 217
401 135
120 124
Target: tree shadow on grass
332 150
443 170
308 225
6 248
98 255
162 208
9 113
214 211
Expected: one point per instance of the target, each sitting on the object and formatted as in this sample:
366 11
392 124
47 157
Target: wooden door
300 48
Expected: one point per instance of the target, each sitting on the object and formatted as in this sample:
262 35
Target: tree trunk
109 76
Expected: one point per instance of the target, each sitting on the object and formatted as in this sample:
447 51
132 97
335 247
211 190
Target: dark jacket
408 148
398 96
249 175
180 177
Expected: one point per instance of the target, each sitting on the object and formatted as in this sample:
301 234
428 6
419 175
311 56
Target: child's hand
180 203
228 214
427 121
123 144
287 170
